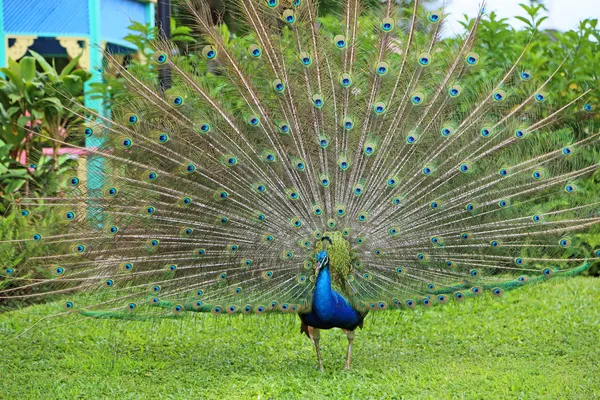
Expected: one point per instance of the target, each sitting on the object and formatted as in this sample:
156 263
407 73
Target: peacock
329 169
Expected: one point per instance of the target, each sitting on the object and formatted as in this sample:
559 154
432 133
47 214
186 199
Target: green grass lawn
536 342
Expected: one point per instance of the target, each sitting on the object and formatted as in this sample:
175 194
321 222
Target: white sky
563 14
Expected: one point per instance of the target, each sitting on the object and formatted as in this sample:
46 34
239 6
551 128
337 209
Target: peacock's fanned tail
436 182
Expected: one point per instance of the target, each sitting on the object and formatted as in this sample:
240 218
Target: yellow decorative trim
20 47
71 45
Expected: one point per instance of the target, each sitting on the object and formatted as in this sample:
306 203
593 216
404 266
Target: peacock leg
350 335
315 336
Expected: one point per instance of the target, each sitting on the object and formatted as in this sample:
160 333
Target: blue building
69 28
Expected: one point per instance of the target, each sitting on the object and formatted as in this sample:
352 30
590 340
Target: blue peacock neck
323 298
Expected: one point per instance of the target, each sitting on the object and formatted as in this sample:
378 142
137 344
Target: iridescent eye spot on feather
205 127
272 3
495 243
74 181
570 188
160 58
387 24
289 17
588 107
426 302
465 235
267 274
503 172
497 292
111 191
209 52
504 203
393 231
229 160
382 68
459 296
127 266
564 242
435 205
472 59
112 230
455 91
540 97
434 17
295 222
69 216
150 210
470 207
417 98
152 176
177 101
339 41
449 264
499 95
424 59
412 138
379 108
78 249
25 213
131 306
427 170
396 201
131 118
465 167
162 138
59 270
68 305
278 85
447 131
538 174
567 151
297 3
523 278
362 217
525 75
392 182
344 165
305 59
486 131
253 120
348 123
254 51
345 80
317 100
520 133
547 272
476 290
410 304
519 261
359 240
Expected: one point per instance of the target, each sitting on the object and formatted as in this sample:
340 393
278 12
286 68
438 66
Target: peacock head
322 260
